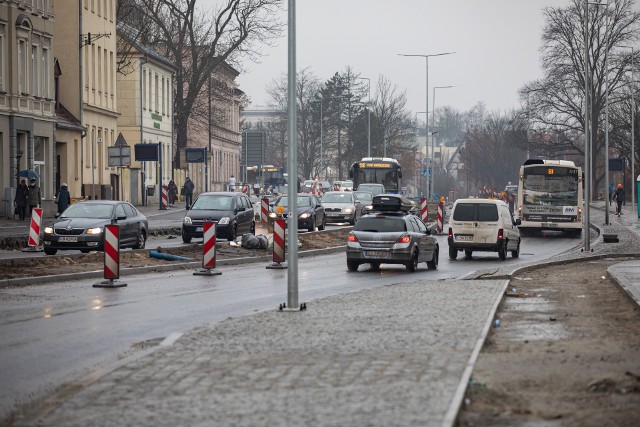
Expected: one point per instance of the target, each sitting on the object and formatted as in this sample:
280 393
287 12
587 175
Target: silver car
341 206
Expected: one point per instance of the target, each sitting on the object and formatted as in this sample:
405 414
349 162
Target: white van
483 225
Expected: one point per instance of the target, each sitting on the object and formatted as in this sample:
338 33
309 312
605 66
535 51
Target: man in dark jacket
63 198
22 199
35 199
618 196
188 192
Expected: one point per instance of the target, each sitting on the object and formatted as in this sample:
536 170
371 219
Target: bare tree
199 41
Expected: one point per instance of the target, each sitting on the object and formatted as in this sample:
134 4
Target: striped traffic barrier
34 231
278 244
264 211
440 215
209 251
165 197
424 210
111 258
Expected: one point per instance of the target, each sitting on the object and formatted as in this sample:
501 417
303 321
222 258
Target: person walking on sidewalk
232 183
618 195
22 199
63 198
188 192
173 192
35 199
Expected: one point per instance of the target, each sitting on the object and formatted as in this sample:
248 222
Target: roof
131 34
66 120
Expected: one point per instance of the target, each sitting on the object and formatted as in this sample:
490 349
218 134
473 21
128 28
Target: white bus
550 196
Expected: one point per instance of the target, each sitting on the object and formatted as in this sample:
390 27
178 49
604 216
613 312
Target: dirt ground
93 261
566 353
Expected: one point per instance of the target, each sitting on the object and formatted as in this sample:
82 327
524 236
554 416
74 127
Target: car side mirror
428 232
518 221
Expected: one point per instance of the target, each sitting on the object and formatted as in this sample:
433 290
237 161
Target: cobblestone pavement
392 356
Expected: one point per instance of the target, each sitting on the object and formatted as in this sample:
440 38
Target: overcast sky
496 42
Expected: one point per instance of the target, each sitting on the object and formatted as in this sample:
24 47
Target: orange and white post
209 251
278 244
111 258
34 231
264 211
424 210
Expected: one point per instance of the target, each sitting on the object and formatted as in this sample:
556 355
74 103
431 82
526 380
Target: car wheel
412 265
323 225
186 239
375 266
252 229
50 251
453 253
85 251
502 252
516 253
313 225
142 240
234 232
353 265
468 253
433 264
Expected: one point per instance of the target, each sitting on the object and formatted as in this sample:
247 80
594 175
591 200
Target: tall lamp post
633 139
422 180
368 114
587 145
433 125
426 57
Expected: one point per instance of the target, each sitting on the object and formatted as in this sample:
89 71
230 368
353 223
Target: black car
391 235
81 226
232 211
310 211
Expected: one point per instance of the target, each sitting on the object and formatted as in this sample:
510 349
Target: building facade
27 107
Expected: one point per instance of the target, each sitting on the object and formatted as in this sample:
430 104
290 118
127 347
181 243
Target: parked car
375 189
366 198
310 211
391 235
232 211
81 227
483 225
308 186
342 206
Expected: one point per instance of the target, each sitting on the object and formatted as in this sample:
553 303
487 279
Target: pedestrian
232 183
173 192
22 199
63 198
611 188
35 199
187 189
618 195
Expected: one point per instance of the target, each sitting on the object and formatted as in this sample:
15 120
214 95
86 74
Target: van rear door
475 223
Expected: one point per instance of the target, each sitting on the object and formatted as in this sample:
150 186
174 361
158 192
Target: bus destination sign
363 165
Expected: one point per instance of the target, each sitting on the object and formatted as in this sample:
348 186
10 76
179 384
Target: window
144 89
2 60
120 211
34 70
22 66
156 94
98 84
44 81
162 101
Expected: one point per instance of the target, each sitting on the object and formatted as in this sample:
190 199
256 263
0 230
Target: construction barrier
209 251
111 258
34 231
440 216
278 244
264 211
424 210
165 197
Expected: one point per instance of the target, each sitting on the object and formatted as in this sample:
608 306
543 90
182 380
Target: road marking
171 339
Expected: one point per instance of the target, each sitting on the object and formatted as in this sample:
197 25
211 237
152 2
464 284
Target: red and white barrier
111 258
165 197
33 241
278 244
440 216
424 210
209 251
264 211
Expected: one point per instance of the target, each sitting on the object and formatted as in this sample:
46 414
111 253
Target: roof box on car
391 203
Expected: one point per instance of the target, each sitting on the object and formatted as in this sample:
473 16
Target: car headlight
347 210
369 207
96 230
48 230
305 215
187 220
272 215
224 220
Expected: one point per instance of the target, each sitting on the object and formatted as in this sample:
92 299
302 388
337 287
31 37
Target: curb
623 282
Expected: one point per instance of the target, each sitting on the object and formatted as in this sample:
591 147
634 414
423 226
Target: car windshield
302 201
337 198
380 224
88 210
364 196
373 188
213 203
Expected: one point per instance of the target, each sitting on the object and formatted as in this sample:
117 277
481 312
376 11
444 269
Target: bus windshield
385 171
543 189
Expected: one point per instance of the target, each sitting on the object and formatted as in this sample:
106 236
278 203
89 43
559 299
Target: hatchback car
310 211
232 211
366 198
391 236
81 227
342 206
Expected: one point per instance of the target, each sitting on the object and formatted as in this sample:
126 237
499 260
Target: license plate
68 239
464 238
334 214
199 229
550 224
376 254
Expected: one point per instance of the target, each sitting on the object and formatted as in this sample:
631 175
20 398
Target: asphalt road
50 333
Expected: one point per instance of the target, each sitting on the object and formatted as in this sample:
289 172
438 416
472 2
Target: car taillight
450 232
352 238
404 239
500 234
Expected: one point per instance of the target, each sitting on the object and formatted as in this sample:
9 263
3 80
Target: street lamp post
587 155
433 125
633 139
426 57
368 115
